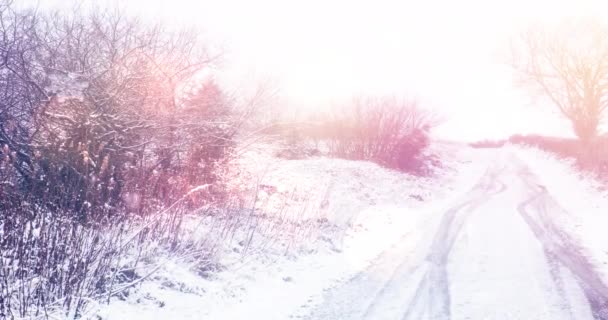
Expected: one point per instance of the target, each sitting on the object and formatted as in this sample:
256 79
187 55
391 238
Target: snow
67 85
364 209
582 201
352 240
498 259
531 286
481 259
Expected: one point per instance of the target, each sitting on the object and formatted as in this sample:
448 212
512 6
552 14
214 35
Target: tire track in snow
560 248
344 300
384 278
434 287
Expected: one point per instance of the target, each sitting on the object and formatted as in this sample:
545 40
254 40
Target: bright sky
451 55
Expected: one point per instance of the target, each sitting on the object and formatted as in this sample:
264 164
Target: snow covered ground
507 233
359 209
506 249
581 207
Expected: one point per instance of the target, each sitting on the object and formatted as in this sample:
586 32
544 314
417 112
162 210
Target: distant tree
568 64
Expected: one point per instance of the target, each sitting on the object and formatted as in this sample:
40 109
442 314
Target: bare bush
52 265
385 130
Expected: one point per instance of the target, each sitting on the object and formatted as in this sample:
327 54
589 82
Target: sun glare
319 160
449 55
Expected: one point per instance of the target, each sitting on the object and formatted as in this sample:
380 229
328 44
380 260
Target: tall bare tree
568 64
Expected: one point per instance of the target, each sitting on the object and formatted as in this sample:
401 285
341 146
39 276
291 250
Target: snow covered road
494 254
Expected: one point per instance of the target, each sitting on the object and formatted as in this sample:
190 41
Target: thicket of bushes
106 127
99 114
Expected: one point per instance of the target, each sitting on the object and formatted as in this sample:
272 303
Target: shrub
390 132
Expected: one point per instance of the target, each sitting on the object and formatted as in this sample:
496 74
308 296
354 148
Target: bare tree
568 64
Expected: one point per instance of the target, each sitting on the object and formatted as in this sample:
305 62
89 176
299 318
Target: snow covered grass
54 266
315 222
583 199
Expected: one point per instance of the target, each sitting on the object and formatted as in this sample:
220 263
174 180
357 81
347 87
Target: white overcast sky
451 55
